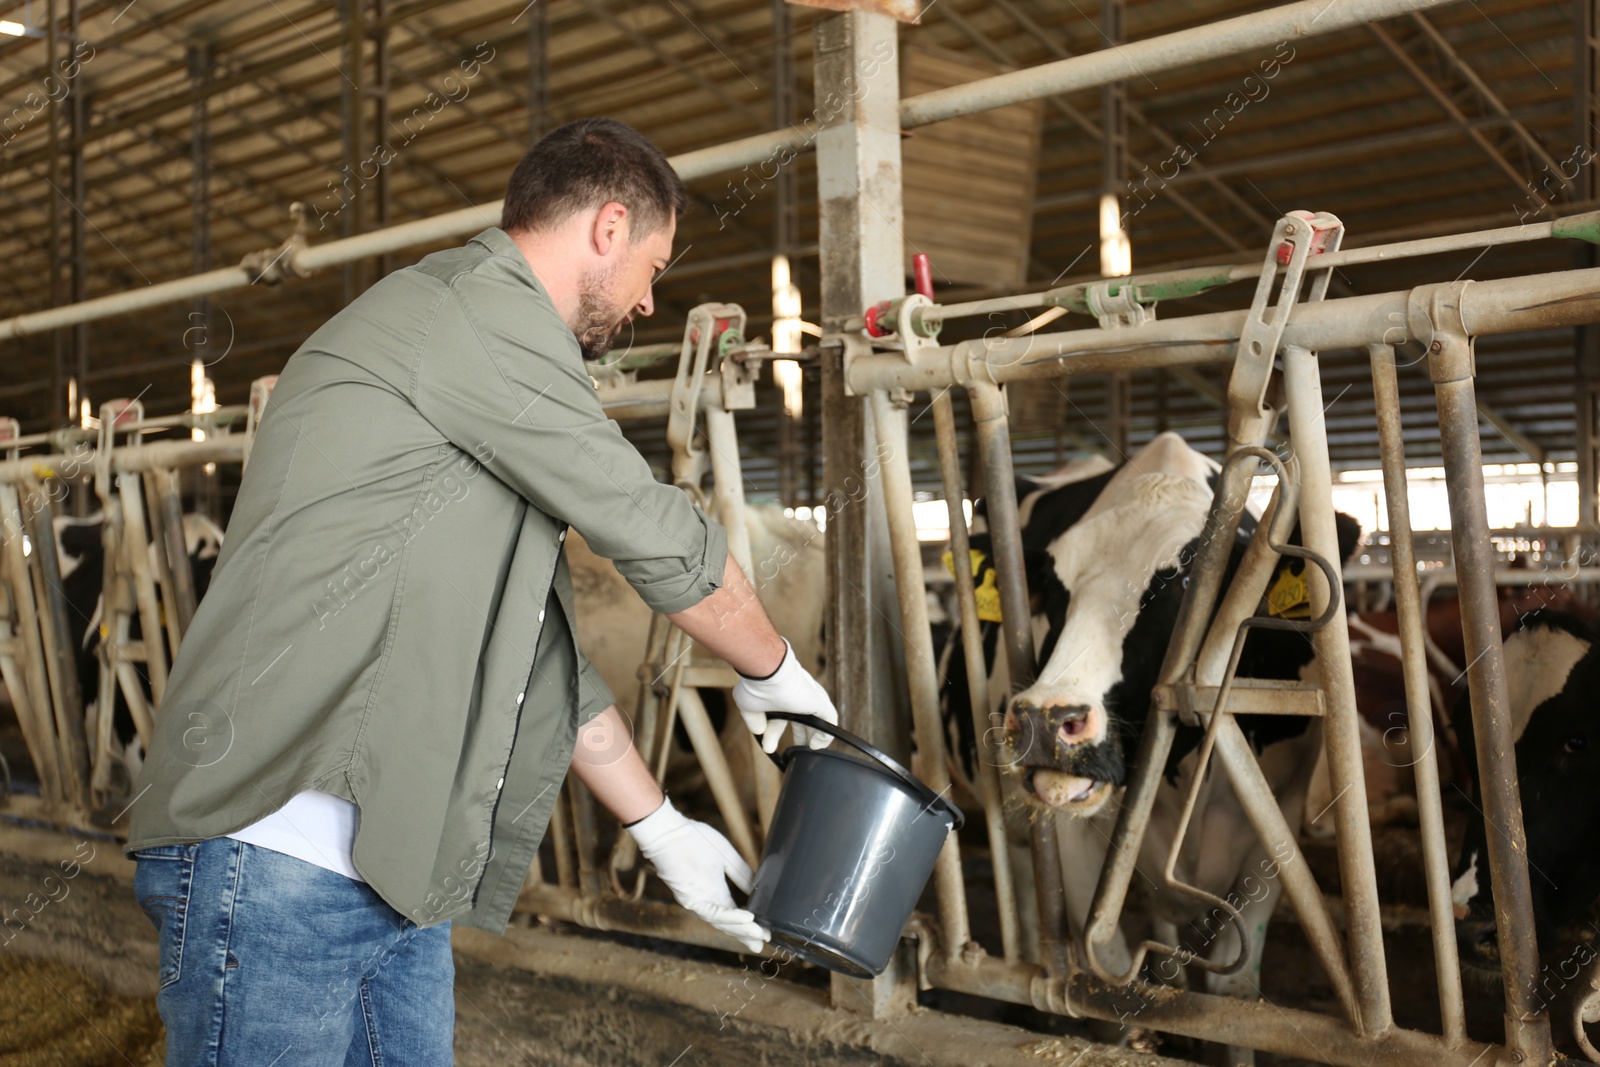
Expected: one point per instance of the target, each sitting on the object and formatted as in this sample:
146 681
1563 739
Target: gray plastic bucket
852 843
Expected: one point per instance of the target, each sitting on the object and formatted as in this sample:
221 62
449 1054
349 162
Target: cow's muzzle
1044 736
1063 754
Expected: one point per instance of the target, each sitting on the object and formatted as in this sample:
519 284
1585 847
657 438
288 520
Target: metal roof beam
1442 98
1489 96
755 115
1088 125
1202 171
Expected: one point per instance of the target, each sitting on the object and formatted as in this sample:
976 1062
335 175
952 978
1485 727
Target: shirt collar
500 243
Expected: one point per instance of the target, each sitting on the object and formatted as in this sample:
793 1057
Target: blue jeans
268 960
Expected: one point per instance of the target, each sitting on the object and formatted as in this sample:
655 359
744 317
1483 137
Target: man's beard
598 321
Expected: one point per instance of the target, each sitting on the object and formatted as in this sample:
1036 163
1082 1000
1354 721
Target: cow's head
1122 573
1553 682
1113 588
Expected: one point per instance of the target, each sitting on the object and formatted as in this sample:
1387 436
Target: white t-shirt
317 827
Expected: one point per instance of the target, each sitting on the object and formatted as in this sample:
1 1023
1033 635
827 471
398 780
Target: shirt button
562 536
500 783
519 697
541 615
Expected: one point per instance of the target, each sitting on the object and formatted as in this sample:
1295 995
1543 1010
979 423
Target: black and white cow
1552 665
1108 551
81 552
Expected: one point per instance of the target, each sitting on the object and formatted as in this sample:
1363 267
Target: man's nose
647 306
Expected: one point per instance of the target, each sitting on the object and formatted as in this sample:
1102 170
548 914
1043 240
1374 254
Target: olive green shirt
390 619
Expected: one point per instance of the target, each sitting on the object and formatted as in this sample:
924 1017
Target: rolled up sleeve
502 378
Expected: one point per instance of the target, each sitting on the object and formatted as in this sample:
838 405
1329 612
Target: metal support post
1341 731
350 192
944 423
1434 312
382 191
200 66
58 390
79 116
1586 184
1419 704
858 189
538 71
860 224
922 673
1005 532
728 478
785 224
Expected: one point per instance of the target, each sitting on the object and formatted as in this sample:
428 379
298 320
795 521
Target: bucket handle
930 799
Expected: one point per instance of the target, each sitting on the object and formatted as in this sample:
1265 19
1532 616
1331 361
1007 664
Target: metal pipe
1260 806
728 483
136 553
1527 1026
160 545
1341 729
922 675
719 778
1250 1024
1228 37
561 842
1572 226
944 425
1419 704
47 758
171 505
1258 29
728 490
992 429
66 697
1243 595
1564 298
585 837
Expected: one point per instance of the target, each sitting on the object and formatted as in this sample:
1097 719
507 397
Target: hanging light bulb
1116 253
202 395
786 329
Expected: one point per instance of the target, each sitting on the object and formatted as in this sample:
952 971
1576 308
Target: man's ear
610 226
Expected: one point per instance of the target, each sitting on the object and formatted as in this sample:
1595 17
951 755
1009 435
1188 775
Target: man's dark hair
586 164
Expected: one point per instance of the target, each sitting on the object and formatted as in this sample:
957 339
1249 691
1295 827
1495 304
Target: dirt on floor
53 1015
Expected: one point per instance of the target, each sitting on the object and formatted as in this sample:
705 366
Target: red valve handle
874 316
922 267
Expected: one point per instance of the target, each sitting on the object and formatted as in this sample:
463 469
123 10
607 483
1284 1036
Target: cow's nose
1072 721
1016 711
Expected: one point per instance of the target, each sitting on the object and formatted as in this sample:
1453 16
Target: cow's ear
1041 566
1349 535
78 539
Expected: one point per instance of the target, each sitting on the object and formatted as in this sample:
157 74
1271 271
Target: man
375 706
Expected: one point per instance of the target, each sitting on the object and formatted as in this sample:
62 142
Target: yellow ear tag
1289 597
988 593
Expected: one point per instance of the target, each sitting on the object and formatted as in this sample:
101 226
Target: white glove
696 863
789 688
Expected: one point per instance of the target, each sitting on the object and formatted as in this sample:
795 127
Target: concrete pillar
862 262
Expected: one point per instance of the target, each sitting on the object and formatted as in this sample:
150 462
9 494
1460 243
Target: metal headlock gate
1197 676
